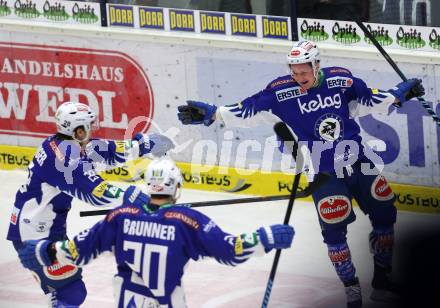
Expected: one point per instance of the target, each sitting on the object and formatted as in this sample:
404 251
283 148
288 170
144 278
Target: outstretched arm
232 115
209 240
117 152
366 100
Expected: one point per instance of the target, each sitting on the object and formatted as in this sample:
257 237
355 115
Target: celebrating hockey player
64 168
157 228
319 104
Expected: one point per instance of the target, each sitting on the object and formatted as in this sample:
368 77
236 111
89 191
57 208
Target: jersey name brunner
149 229
320 103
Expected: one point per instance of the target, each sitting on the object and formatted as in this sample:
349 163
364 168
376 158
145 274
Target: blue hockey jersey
321 117
59 171
151 250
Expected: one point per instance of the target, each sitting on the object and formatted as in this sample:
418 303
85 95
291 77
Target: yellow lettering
212 23
203 22
118 16
284 29
243 25
190 22
173 19
151 18
253 27
234 24
221 24
112 15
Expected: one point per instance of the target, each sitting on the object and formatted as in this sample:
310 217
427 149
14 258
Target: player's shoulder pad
336 71
280 82
185 215
59 148
124 210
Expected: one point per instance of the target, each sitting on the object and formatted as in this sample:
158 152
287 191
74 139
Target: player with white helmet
62 169
304 52
161 237
319 105
163 178
75 120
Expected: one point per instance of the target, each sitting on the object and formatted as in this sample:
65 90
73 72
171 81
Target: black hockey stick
212 203
284 133
395 67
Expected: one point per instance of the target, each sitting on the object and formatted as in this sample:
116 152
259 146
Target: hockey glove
34 254
196 113
276 236
134 196
406 90
156 144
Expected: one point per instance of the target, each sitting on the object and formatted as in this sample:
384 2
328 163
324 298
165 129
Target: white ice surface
305 276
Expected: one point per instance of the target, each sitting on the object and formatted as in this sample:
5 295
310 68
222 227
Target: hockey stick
284 133
210 203
396 68
302 193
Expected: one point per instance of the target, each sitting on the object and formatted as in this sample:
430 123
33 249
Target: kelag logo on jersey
342 82
36 79
320 103
289 93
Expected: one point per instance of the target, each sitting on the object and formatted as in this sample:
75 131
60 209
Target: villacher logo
4 8
315 32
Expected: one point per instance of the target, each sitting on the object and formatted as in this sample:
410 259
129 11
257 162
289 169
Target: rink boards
411 198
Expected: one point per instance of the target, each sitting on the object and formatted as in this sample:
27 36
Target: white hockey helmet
303 52
163 177
71 115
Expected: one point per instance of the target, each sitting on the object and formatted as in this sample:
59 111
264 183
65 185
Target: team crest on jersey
334 209
341 82
381 190
329 127
289 93
59 272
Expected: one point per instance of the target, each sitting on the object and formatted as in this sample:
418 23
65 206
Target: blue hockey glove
196 113
134 196
408 89
34 254
276 236
156 144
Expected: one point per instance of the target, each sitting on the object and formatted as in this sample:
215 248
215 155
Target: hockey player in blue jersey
319 105
152 242
62 169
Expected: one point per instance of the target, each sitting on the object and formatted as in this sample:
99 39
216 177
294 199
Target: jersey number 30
153 275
